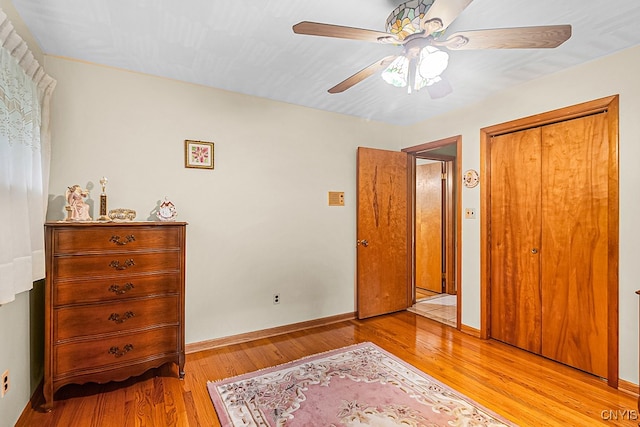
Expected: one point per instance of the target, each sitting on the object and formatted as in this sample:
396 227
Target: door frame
611 105
453 187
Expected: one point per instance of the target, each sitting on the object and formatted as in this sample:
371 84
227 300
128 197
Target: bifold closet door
574 250
549 241
515 239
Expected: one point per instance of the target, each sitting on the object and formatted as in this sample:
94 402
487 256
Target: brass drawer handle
116 264
115 317
116 350
119 291
128 239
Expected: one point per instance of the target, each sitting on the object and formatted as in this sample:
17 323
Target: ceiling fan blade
338 31
441 14
549 36
363 74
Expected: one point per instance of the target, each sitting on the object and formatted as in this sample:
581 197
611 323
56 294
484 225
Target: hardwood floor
525 388
422 293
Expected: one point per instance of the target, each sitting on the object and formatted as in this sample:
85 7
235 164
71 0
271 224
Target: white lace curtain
25 90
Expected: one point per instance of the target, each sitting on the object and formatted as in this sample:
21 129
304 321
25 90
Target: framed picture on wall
198 154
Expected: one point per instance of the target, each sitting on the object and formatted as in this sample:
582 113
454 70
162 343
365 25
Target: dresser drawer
77 322
125 348
114 265
107 289
114 238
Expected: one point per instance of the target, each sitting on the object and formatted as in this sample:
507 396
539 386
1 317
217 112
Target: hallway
441 307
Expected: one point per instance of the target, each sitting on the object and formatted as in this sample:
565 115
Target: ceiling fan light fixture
405 19
421 82
397 72
432 63
433 81
418 26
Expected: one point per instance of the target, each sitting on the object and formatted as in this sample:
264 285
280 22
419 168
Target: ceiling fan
418 26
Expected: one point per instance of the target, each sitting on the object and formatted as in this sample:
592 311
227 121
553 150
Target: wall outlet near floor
276 298
4 382
470 213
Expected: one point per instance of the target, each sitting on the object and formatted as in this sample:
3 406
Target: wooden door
549 241
428 218
574 243
515 239
382 233
579 228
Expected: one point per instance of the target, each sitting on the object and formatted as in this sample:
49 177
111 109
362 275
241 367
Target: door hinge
444 176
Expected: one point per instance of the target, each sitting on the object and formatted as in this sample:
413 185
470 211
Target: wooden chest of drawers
114 301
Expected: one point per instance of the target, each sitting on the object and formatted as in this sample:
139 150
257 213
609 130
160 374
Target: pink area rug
360 385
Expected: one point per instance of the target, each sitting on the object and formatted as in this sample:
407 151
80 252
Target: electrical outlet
4 383
276 298
470 213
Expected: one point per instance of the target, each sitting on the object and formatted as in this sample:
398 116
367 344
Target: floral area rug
360 385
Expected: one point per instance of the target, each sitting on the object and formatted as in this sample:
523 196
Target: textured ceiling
248 46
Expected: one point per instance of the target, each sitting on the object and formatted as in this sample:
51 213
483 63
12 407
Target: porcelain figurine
77 208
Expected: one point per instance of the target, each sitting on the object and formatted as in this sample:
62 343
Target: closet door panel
515 239
574 243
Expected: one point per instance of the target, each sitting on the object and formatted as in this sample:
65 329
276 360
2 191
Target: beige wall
259 223
616 74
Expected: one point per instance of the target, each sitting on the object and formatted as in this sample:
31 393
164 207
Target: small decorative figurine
167 211
77 209
103 200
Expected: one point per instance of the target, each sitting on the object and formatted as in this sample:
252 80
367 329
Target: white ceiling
248 46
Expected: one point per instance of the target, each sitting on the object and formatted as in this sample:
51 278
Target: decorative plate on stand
167 211
470 178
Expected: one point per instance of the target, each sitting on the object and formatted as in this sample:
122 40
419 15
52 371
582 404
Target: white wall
258 223
616 74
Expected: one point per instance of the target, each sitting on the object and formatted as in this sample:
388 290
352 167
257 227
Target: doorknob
363 243
534 251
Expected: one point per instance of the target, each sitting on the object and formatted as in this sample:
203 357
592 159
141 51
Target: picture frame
198 154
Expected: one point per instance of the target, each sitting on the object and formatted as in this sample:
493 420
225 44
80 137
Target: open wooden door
382 257
428 227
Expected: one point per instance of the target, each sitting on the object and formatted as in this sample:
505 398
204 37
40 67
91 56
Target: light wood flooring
441 307
527 389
